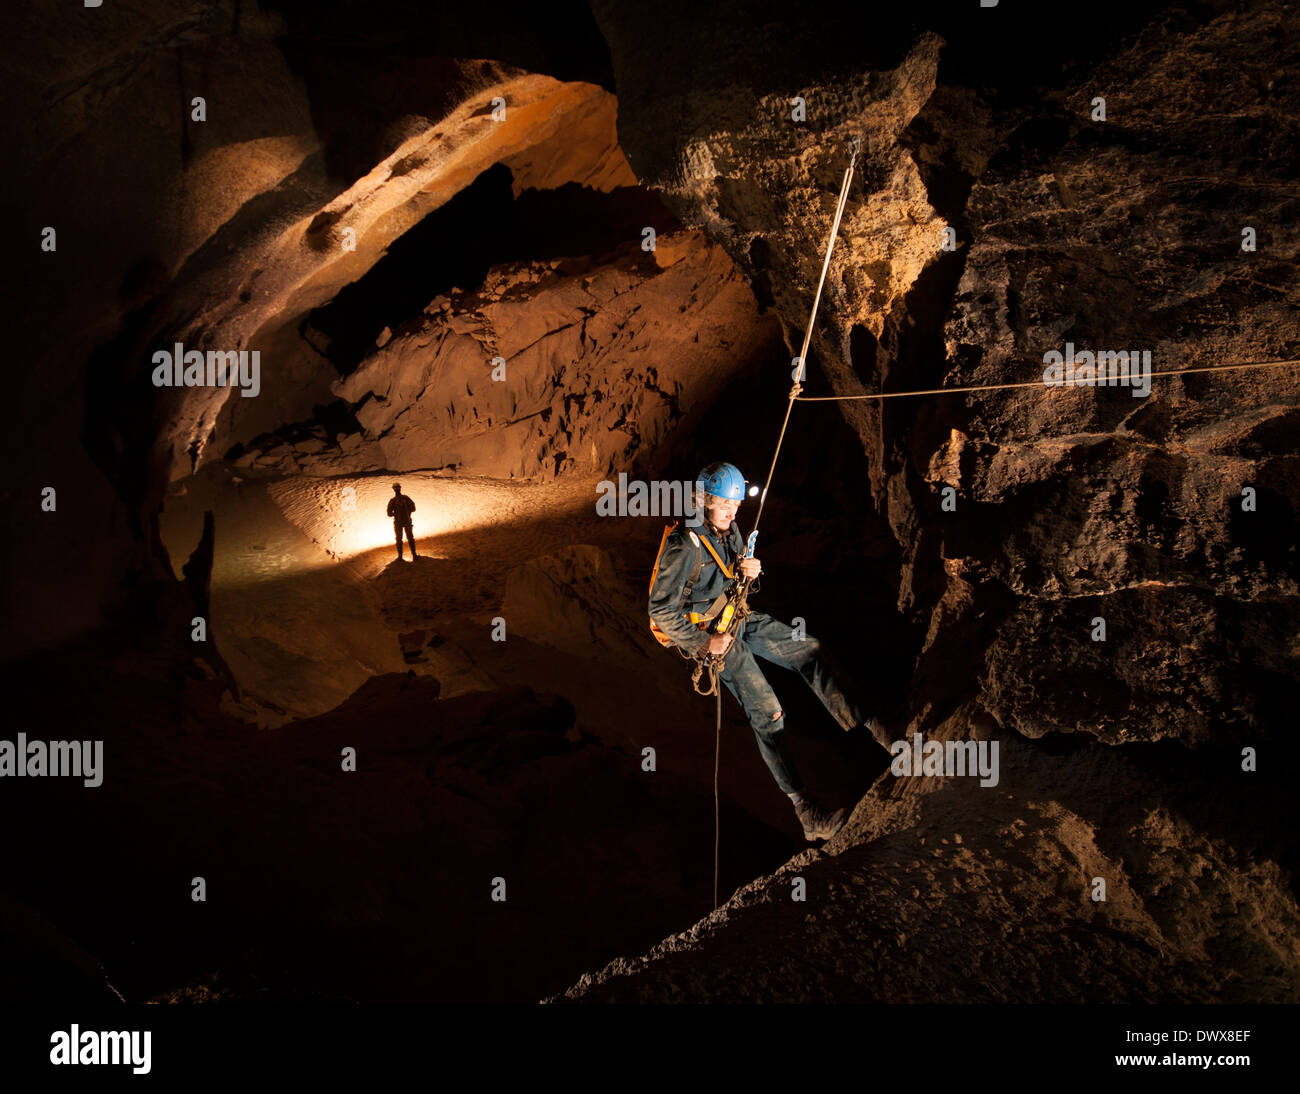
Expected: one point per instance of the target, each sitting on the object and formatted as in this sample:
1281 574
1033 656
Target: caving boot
819 823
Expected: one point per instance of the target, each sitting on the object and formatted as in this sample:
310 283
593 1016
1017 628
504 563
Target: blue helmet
722 480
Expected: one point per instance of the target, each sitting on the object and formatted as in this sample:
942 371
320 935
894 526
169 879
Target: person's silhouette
400 508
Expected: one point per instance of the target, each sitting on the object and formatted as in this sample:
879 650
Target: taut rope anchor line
796 389
1033 383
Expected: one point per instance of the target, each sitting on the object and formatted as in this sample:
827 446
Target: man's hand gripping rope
710 661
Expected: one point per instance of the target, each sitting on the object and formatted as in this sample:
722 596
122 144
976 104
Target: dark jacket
400 508
675 565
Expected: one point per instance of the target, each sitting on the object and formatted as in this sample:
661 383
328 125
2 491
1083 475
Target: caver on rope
698 603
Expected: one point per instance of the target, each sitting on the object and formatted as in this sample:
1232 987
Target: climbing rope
856 146
706 667
717 828
1028 383
709 669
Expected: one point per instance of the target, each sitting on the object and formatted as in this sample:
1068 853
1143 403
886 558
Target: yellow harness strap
721 565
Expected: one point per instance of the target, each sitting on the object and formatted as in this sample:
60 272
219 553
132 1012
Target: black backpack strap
695 570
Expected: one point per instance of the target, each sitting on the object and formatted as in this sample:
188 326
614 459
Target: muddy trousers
774 641
398 529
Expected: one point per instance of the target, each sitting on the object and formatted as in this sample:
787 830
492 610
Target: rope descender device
729 620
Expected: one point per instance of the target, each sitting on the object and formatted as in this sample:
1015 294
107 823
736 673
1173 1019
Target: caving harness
725 614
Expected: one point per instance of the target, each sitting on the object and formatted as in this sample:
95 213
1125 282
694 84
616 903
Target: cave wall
1128 233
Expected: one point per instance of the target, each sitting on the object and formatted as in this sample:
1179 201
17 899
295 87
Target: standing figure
400 508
